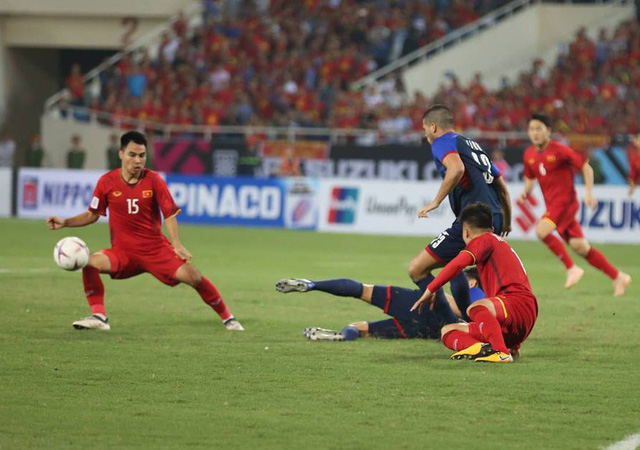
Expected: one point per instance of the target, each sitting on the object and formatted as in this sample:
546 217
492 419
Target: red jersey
554 168
134 209
500 268
634 166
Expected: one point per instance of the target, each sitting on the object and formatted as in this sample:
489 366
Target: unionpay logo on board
343 205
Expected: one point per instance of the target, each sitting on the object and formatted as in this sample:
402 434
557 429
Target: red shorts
161 262
564 219
517 313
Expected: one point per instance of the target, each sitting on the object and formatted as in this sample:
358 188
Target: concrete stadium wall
56 139
72 32
111 8
510 47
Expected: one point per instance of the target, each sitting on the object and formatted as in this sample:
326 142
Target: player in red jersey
135 198
502 321
633 152
553 165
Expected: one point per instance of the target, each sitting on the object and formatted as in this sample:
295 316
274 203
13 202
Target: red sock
93 289
211 297
489 327
557 247
458 340
597 260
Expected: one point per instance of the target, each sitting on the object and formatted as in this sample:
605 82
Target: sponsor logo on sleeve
95 202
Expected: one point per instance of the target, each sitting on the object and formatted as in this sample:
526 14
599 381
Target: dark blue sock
441 306
422 284
342 287
350 333
460 291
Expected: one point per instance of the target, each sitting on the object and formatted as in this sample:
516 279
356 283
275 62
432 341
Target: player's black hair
472 272
132 136
546 120
440 115
477 215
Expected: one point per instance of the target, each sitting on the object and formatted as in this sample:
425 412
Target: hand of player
424 212
635 140
182 252
55 222
506 228
427 297
523 196
632 187
591 202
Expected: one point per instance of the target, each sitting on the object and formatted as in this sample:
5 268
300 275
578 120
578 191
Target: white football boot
233 325
94 322
287 285
322 334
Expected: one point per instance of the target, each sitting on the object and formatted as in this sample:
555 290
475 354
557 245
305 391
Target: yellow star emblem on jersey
147 194
117 193
532 161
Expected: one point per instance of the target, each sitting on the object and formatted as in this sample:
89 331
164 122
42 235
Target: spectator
75 85
136 82
76 153
35 153
290 165
113 152
7 151
497 156
633 153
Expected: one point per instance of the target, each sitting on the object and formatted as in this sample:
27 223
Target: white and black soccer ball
71 253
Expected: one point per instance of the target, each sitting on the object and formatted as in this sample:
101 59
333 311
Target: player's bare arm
587 175
505 204
171 224
529 183
81 220
455 171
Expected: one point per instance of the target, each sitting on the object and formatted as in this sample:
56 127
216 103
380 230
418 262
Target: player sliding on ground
468 176
504 319
135 197
553 165
392 300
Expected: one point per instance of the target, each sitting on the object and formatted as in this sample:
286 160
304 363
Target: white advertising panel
379 207
6 191
46 192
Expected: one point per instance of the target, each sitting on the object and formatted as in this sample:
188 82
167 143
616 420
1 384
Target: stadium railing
458 36
148 40
292 133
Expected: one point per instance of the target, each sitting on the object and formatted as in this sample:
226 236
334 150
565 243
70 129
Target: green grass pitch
168 374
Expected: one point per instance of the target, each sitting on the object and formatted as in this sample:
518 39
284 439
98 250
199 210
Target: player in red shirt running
136 197
502 321
553 165
633 152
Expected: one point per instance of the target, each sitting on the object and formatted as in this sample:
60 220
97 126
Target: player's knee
452 327
361 326
580 246
416 271
541 231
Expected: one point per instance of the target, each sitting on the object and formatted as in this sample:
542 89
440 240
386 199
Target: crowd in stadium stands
277 63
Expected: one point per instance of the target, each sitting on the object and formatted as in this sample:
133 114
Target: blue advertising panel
229 201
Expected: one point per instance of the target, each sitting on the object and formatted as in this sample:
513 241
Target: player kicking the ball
135 197
393 301
553 165
502 321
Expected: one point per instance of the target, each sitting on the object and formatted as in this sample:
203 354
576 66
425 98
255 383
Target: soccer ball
71 253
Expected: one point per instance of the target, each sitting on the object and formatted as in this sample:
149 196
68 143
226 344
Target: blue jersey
476 184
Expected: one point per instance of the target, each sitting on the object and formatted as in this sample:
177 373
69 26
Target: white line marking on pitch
23 271
631 442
